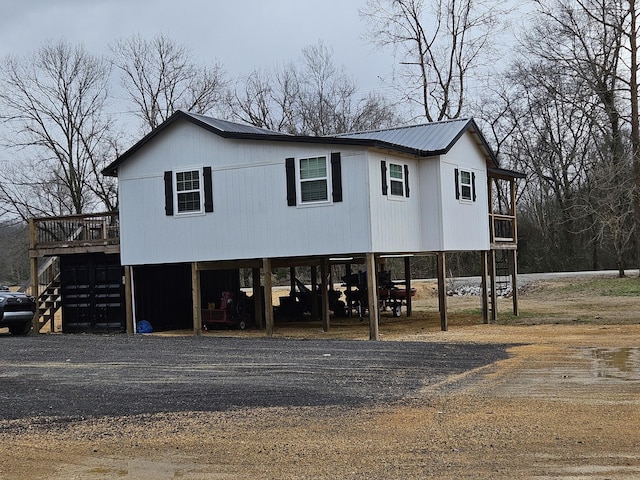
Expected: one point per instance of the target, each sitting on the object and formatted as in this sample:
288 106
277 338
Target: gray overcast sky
240 34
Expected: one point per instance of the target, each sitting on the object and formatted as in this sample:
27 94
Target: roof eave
504 173
112 169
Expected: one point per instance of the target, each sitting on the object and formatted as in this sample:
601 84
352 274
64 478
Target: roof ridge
427 124
213 120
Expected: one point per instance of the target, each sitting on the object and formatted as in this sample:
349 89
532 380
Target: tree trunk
635 127
620 265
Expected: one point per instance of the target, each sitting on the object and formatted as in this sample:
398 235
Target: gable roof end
222 128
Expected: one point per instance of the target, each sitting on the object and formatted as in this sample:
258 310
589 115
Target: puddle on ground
596 466
617 363
172 467
595 375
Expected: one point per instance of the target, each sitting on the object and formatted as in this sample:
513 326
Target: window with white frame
396 179
188 191
313 179
465 185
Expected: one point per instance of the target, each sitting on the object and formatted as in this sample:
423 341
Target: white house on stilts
201 198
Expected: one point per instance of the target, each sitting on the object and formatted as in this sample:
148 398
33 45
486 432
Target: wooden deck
73 234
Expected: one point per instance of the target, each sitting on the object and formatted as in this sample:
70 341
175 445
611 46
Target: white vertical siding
431 212
465 224
395 220
251 218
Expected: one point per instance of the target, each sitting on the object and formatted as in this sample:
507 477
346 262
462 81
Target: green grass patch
466 311
608 287
527 317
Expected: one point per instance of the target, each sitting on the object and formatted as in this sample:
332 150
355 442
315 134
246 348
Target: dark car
16 311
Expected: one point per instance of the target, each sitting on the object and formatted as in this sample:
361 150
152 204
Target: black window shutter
290 166
406 181
457 185
168 193
383 171
208 189
473 185
336 177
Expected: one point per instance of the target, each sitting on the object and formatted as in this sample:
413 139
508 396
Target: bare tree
607 205
315 97
630 30
329 100
160 77
570 133
585 38
269 99
440 48
603 35
552 143
53 105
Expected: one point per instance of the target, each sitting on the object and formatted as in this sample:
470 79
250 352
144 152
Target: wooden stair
49 302
503 273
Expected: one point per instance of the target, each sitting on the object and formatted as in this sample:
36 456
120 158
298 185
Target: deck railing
503 228
95 229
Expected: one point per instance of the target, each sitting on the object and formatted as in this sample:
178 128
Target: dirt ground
566 404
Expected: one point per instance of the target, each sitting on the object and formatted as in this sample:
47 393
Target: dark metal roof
504 173
420 140
220 127
434 138
429 137
224 126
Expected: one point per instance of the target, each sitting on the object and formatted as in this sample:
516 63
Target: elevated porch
68 237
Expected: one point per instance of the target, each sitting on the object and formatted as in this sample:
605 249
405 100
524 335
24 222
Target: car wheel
242 325
20 329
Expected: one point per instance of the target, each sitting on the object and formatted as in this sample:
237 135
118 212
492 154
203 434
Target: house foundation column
35 291
258 303
324 274
268 298
407 280
494 290
128 295
442 291
514 280
372 291
314 298
195 294
485 290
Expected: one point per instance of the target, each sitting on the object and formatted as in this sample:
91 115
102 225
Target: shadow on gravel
94 375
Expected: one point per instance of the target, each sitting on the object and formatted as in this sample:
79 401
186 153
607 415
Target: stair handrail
51 262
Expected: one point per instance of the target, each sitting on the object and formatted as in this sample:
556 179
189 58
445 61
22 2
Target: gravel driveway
92 375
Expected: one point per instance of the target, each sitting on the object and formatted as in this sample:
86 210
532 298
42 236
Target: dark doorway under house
163 293
92 293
